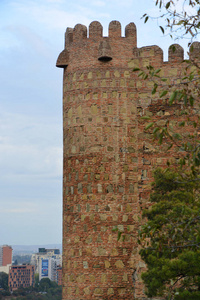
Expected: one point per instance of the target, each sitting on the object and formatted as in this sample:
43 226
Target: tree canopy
4 281
171 236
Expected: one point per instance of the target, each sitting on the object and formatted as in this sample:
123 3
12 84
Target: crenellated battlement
90 46
96 31
102 48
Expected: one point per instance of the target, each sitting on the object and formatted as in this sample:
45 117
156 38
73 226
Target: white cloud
19 208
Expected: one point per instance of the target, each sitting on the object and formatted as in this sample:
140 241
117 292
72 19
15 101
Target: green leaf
157 71
180 22
160 138
145 118
170 146
154 89
191 77
156 130
136 69
115 228
163 93
146 19
172 97
191 99
176 136
167 5
180 96
119 235
181 124
141 73
185 100
182 161
149 125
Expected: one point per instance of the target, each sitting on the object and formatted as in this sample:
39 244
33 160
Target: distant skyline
32 36
29 249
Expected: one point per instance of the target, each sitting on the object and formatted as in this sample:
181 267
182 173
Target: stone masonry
108 157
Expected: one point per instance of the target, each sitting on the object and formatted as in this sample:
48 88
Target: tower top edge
82 38
95 30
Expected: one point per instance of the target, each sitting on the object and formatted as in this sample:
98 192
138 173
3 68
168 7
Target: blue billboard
45 267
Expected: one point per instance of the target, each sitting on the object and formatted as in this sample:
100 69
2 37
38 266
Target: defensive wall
108 157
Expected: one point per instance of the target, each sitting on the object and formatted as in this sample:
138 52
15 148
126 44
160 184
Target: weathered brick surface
108 159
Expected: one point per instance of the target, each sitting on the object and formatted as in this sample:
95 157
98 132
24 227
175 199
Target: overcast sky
31 37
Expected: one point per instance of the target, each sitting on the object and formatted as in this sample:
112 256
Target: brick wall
108 158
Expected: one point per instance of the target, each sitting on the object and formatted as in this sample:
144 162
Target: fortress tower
108 158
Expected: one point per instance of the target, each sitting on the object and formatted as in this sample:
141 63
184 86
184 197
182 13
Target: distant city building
5 269
5 255
46 262
21 276
47 268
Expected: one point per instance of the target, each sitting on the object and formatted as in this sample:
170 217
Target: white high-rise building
47 268
46 262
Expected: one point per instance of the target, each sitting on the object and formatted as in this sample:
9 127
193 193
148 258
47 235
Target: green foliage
171 237
45 284
183 94
3 294
45 290
22 259
4 281
36 279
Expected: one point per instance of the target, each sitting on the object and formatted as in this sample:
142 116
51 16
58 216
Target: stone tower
108 158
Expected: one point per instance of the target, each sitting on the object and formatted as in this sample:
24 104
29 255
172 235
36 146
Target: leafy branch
181 20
